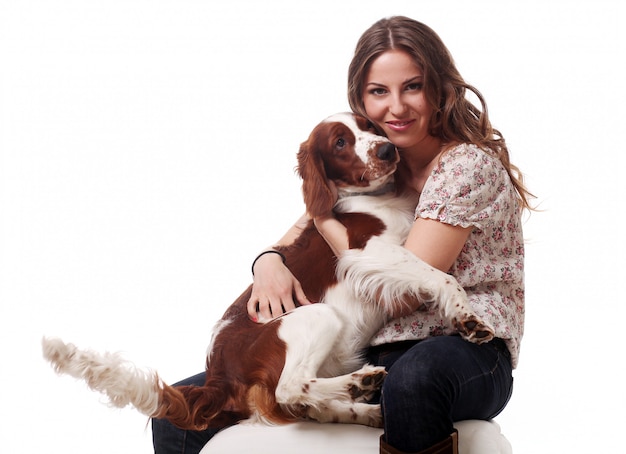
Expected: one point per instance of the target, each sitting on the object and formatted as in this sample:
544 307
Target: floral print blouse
470 187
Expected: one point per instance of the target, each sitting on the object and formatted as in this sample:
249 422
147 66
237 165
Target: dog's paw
365 382
371 415
473 329
340 411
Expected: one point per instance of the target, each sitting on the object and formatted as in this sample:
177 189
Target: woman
467 223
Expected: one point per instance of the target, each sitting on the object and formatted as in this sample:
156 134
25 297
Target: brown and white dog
307 363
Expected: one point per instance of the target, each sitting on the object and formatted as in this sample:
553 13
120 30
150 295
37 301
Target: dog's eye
370 126
341 142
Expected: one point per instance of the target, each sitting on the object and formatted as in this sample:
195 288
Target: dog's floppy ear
318 197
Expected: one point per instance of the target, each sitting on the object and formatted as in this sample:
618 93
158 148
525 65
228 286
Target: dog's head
346 150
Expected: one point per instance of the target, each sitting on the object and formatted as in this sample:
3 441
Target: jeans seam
184 443
491 371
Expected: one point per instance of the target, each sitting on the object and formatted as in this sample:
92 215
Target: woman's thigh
436 381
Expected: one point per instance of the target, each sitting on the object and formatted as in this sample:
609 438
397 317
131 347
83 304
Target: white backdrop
147 155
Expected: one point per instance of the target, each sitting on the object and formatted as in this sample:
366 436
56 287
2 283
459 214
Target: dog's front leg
392 276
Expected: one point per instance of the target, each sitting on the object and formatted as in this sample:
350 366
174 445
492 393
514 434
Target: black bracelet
271 251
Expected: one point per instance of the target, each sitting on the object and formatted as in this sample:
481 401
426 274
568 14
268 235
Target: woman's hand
274 289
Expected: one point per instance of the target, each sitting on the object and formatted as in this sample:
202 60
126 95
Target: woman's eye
341 142
415 86
377 91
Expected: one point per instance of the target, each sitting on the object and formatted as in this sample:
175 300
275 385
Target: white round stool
475 437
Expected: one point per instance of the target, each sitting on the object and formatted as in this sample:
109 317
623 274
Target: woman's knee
423 378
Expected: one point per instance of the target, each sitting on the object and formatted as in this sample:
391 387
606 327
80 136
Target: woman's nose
398 106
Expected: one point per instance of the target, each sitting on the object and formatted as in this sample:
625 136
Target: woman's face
395 101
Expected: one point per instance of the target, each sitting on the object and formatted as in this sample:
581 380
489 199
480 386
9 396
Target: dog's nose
387 152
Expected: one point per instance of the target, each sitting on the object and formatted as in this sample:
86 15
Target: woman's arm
275 287
437 243
434 242
334 232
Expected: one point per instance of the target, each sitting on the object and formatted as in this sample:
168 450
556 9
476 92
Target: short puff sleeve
469 187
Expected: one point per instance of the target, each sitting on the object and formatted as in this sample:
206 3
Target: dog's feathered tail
188 407
121 381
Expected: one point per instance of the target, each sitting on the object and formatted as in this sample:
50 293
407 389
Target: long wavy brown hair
455 118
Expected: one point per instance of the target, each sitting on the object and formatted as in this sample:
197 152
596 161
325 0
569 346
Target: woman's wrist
267 252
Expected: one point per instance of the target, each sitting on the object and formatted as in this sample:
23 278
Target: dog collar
389 187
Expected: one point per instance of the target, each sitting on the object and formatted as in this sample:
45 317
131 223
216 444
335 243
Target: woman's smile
400 126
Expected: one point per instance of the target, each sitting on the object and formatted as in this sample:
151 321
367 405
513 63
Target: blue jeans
437 381
431 384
